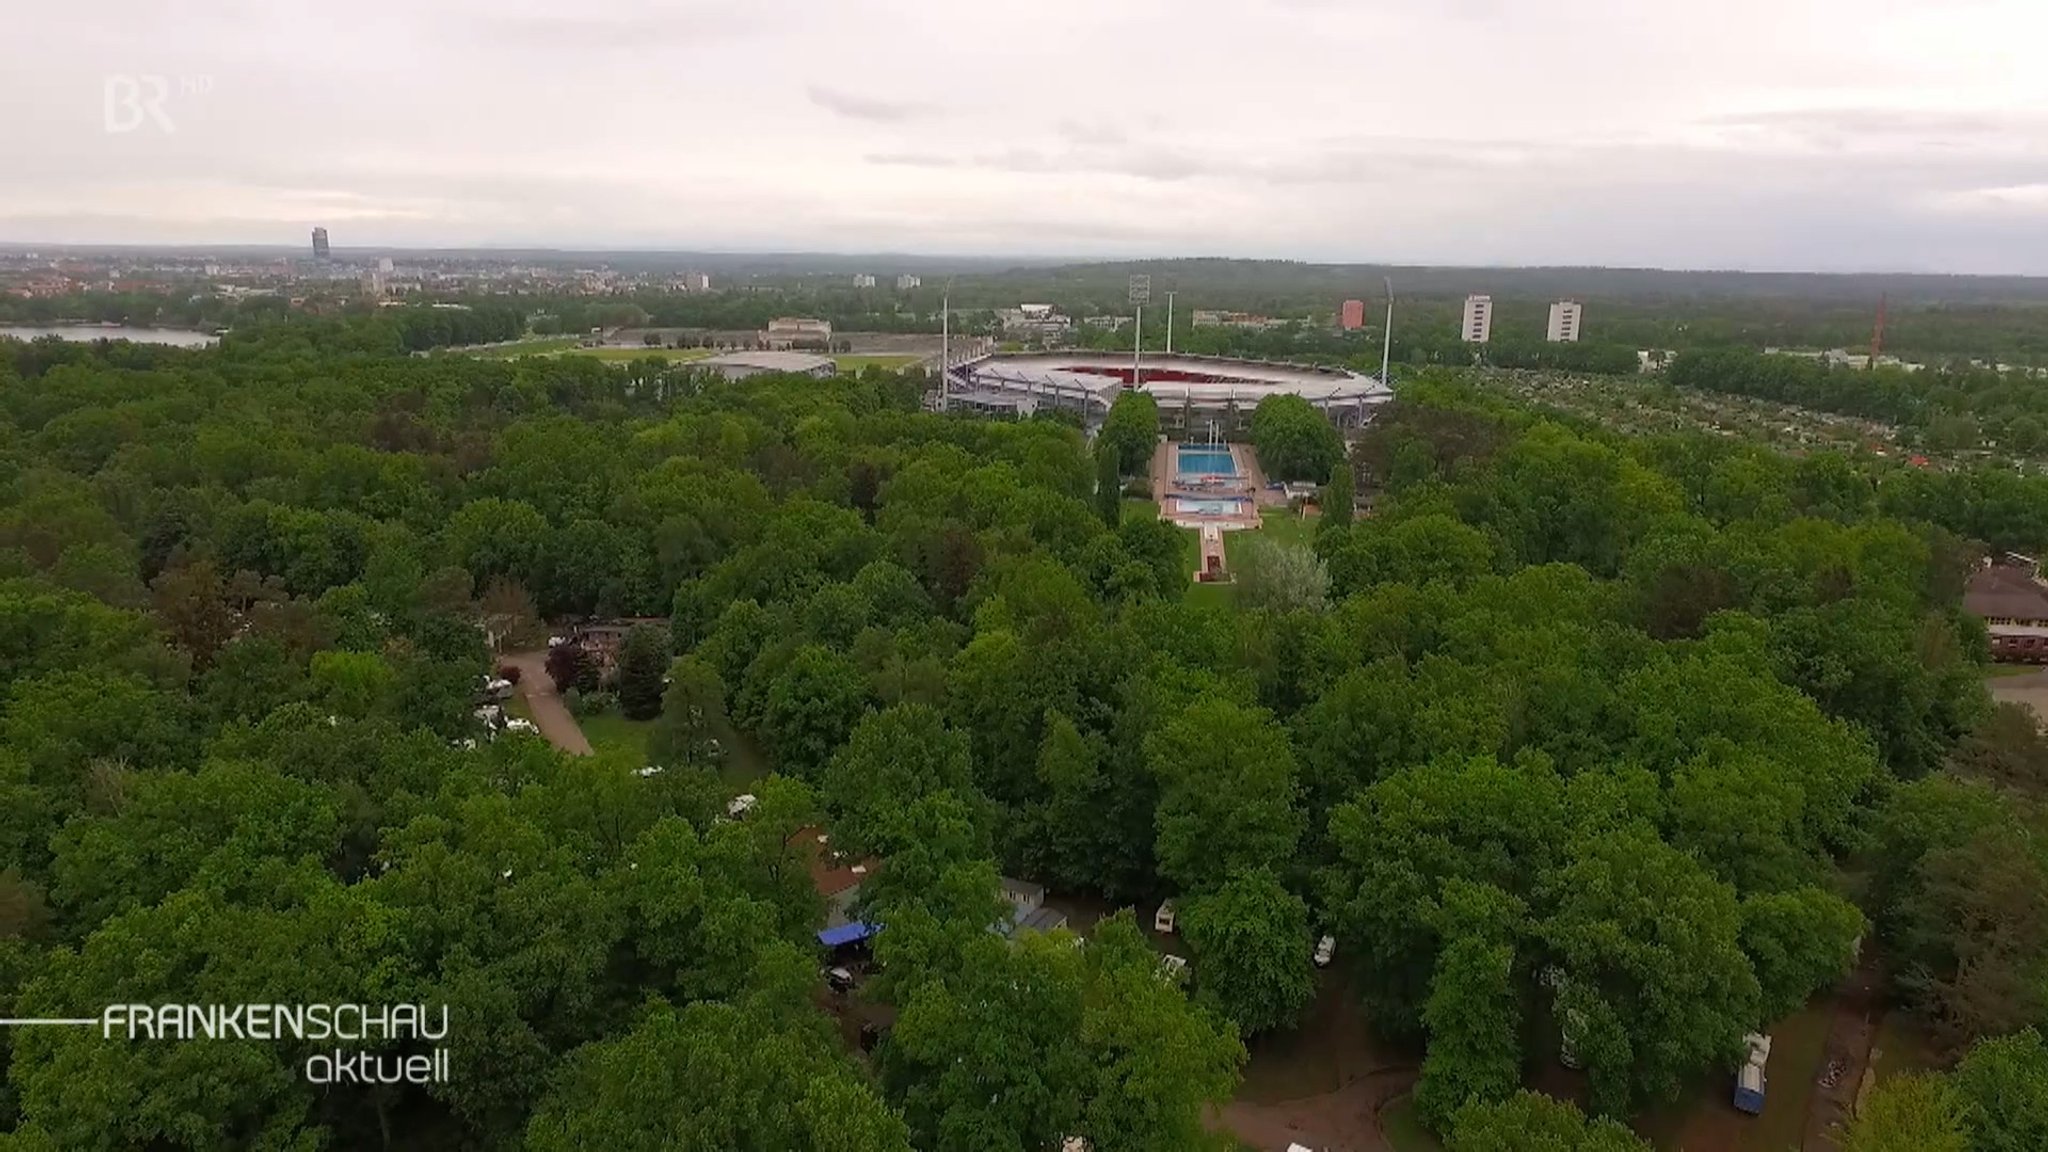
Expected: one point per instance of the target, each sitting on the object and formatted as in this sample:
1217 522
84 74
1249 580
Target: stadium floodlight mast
1387 338
1141 294
1169 323
945 340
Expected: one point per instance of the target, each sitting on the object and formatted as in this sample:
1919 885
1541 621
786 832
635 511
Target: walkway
550 715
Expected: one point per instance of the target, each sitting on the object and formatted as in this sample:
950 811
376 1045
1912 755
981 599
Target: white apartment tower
1477 327
1565 318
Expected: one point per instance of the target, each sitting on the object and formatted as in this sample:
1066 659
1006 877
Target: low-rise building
786 332
1035 322
2010 597
1212 318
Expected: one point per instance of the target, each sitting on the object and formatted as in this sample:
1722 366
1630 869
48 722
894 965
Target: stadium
1199 396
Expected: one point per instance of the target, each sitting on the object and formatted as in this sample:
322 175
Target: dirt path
549 713
1851 1031
1346 1120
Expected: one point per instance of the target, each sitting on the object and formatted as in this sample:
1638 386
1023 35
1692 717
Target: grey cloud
1471 131
636 28
855 107
1091 134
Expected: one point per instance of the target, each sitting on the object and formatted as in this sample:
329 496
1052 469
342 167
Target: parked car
1163 920
840 979
1325 949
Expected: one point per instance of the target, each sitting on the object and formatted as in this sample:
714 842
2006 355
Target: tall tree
2004 1083
1532 1122
1339 495
1131 430
1910 1114
1227 792
1109 495
643 665
1249 942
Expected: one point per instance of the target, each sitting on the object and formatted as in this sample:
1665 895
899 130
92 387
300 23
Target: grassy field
744 760
569 346
857 361
611 732
1404 1129
627 355
544 346
1280 526
2000 671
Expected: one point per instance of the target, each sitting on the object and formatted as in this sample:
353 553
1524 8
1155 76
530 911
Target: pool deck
1166 485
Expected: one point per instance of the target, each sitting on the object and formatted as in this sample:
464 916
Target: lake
87 332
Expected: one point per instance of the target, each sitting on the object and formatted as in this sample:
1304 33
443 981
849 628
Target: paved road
549 713
2031 690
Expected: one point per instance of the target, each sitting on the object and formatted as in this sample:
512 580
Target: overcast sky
1761 134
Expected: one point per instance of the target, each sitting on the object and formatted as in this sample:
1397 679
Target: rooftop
2006 593
800 362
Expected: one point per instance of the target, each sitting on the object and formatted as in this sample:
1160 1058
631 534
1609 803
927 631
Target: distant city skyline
1779 135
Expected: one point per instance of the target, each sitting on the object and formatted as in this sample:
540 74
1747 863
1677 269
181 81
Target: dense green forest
1933 319
1628 742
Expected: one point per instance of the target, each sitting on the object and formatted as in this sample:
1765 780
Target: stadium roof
800 362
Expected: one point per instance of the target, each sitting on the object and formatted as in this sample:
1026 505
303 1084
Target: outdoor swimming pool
1208 507
1195 461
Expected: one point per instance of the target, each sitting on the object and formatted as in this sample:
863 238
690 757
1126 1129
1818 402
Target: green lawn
1280 526
571 346
542 346
1404 1130
744 760
627 355
857 361
611 732
1999 671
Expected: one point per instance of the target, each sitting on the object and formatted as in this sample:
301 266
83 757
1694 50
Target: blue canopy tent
850 933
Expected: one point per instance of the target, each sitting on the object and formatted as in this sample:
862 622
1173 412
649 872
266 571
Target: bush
583 703
509 672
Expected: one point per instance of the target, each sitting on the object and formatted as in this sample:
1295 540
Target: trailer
1750 1079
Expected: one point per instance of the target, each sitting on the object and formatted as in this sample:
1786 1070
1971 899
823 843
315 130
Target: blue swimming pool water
1206 462
1209 507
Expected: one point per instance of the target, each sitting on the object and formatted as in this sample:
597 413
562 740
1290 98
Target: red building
1354 315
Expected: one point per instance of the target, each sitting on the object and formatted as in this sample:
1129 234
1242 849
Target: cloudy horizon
1800 135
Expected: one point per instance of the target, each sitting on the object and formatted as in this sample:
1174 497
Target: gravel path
549 713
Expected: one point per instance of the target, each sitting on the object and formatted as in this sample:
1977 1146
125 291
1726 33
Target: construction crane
1877 335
